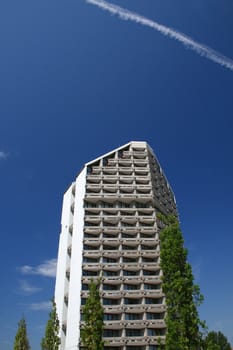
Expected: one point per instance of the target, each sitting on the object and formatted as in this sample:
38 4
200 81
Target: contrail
199 48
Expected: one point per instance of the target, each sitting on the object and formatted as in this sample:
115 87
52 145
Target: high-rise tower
109 229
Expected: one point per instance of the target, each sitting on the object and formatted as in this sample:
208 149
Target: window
155 332
109 224
148 224
147 235
90 273
127 224
85 287
129 247
111 333
153 300
130 273
153 260
89 205
106 205
123 205
112 317
109 260
87 223
90 247
110 287
152 286
110 273
131 286
150 273
109 235
111 301
90 260
133 316
129 301
130 260
134 332
109 247
125 235
154 316
151 332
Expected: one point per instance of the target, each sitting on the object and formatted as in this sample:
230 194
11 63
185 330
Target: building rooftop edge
114 150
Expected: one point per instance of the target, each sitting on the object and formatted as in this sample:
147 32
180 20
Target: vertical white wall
73 315
61 285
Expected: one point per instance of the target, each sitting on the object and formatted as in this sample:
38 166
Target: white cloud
188 42
27 288
47 269
41 306
3 155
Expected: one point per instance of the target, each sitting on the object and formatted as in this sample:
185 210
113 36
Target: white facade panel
73 316
63 261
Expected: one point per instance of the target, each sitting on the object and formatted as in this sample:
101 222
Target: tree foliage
51 340
182 295
91 333
216 341
21 338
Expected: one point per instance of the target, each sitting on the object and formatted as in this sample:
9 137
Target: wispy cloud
187 41
3 155
197 271
47 269
27 289
41 306
37 306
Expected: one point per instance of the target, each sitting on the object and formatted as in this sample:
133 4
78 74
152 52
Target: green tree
182 295
21 338
216 341
92 331
51 340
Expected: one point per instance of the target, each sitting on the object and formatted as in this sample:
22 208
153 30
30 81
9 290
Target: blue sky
76 82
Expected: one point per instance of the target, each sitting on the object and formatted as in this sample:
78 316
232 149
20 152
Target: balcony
125 189
149 248
153 293
92 221
109 180
92 230
111 253
143 189
111 230
92 254
111 219
110 171
125 171
108 189
143 181
93 179
129 229
141 171
126 180
140 163
113 324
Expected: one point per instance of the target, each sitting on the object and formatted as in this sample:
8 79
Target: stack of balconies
121 244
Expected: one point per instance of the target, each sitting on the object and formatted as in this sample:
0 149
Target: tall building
109 229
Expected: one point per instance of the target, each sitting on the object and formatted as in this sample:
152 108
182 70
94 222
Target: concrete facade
110 229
